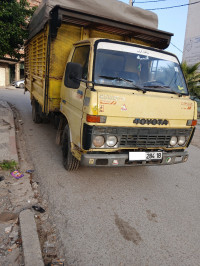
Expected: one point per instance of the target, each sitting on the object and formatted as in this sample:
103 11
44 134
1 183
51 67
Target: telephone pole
131 2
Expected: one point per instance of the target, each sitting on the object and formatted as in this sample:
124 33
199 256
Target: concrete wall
191 51
34 2
5 72
17 71
2 75
7 81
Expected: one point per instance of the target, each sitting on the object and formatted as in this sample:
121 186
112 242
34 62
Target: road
116 216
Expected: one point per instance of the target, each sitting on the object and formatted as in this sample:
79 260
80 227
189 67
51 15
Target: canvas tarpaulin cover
108 9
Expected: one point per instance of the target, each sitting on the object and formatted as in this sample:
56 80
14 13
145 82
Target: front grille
144 141
142 137
130 137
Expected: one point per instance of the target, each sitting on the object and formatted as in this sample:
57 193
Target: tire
21 86
35 114
69 161
56 121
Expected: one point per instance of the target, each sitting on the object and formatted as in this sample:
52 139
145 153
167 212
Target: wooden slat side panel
35 64
60 48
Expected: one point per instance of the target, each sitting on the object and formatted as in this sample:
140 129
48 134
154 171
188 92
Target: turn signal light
96 119
191 122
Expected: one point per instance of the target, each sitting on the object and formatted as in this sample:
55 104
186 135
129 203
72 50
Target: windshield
125 66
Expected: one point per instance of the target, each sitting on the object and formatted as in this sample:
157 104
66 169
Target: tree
14 18
192 76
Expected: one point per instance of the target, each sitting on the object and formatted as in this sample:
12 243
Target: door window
81 56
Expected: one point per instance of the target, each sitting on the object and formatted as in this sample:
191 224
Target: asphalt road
117 216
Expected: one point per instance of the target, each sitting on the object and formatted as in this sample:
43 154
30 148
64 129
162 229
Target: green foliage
8 165
192 76
14 18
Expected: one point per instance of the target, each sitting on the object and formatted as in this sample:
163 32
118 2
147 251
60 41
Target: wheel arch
67 122
62 124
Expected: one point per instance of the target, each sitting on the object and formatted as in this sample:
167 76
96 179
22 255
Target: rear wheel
69 161
35 112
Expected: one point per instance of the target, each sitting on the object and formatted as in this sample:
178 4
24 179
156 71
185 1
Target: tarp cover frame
123 19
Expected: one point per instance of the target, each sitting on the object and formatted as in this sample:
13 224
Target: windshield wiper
177 93
117 78
123 79
156 86
165 87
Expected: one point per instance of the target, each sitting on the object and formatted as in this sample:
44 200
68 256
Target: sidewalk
17 222
8 149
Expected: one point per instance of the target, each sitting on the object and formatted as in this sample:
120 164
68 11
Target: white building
191 51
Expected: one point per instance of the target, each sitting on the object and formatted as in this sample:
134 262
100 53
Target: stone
8 229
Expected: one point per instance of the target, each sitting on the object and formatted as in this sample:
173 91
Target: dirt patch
10 239
8 217
151 216
128 232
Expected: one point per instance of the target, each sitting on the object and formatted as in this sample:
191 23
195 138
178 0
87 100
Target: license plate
144 156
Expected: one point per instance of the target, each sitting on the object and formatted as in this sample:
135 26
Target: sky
172 20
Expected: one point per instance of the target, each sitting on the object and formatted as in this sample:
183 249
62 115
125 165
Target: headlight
98 141
181 140
191 123
111 141
173 141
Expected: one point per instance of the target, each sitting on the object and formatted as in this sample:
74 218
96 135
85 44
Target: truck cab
124 104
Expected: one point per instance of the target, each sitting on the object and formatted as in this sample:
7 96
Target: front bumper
116 160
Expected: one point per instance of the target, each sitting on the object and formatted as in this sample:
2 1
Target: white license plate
144 156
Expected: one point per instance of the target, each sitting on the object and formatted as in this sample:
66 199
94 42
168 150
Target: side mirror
73 75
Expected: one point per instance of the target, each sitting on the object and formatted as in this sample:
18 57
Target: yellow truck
99 70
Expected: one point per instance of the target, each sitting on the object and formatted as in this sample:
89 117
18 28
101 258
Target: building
11 69
191 51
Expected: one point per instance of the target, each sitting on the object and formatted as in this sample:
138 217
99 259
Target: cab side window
81 56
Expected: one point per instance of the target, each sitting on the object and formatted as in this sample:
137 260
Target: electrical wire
174 6
176 47
152 1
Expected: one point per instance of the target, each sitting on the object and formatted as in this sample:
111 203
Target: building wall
7 79
191 51
34 2
4 74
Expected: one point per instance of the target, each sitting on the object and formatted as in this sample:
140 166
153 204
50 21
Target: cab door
72 99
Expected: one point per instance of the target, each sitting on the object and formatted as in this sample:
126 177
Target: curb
8 151
30 241
7 129
12 138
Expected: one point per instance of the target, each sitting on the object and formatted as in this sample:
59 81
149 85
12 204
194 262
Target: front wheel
69 161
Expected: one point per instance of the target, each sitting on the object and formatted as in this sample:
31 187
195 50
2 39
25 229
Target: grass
8 165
